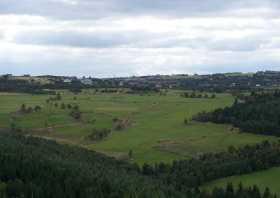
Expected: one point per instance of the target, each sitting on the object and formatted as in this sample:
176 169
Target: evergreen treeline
258 113
240 192
22 86
34 167
207 167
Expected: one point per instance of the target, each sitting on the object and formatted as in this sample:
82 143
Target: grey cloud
126 52
113 62
135 39
230 44
123 62
57 62
83 39
242 44
90 9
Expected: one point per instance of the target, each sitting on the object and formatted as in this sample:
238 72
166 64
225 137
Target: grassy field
155 128
268 178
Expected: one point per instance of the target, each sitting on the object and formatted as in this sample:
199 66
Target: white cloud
121 37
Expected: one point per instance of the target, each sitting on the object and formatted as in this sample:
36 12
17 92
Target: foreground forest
34 167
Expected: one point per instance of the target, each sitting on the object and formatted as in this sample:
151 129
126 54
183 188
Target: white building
86 81
67 80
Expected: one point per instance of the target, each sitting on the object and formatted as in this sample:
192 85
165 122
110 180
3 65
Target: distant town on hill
219 82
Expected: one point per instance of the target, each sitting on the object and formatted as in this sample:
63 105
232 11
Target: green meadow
268 178
155 130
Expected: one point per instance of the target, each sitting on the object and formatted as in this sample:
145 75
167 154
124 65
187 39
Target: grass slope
156 133
268 178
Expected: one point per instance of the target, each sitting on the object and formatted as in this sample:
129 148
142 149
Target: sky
111 38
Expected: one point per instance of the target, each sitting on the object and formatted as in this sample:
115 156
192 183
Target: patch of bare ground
234 130
117 155
12 94
180 147
122 123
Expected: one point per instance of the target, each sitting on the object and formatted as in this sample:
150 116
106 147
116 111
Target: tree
58 96
37 108
256 192
229 190
76 114
76 107
193 95
62 106
147 169
29 110
186 121
258 114
231 149
130 154
267 193
186 94
23 108
69 106
76 90
119 126
13 126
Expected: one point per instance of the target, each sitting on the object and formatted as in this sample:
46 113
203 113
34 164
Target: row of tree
198 95
74 108
207 167
22 86
99 134
240 192
26 109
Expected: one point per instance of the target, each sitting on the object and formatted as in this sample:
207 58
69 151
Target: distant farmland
142 128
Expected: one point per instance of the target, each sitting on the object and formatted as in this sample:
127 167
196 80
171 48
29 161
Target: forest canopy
257 113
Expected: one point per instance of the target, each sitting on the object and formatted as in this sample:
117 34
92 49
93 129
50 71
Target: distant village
213 82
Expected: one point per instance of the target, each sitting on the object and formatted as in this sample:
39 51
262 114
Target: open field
268 178
154 124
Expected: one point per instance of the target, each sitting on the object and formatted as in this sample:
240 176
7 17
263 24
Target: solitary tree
23 108
186 121
29 110
37 108
13 126
58 96
186 94
62 106
130 154
193 95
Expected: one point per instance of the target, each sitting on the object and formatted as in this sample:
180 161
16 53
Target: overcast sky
105 38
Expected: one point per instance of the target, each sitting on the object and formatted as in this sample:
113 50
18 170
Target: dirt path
57 126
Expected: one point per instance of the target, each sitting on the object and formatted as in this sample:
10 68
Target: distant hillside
211 82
